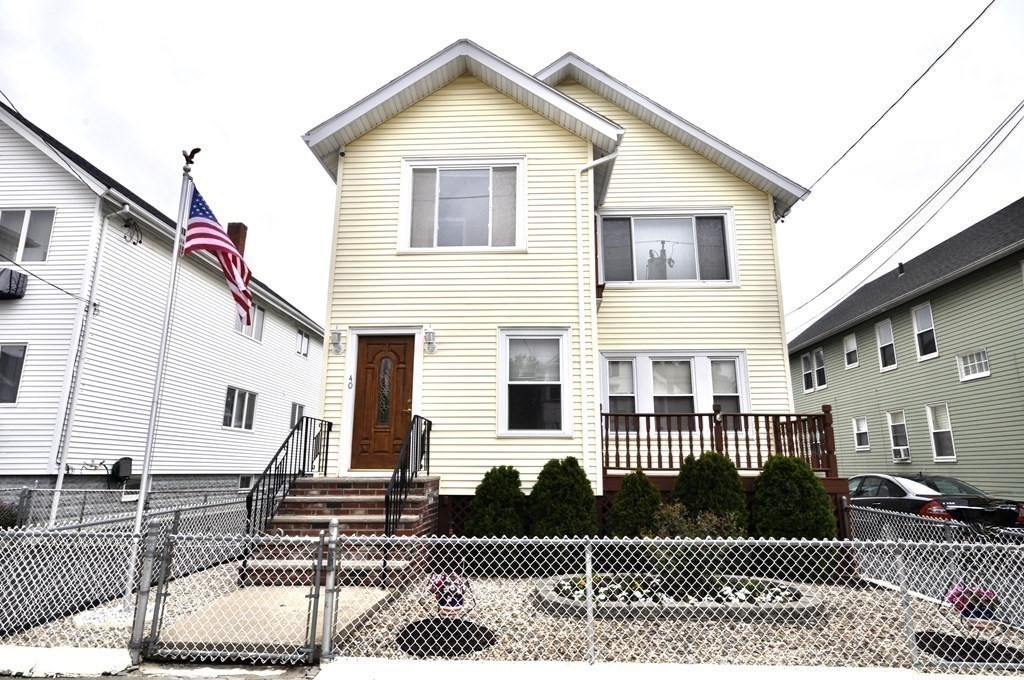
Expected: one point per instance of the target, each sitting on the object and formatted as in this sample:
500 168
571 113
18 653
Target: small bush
790 502
8 515
499 506
562 502
634 507
711 483
676 521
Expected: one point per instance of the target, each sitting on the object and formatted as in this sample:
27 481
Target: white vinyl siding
972 365
941 430
924 332
850 357
655 175
886 345
861 441
898 436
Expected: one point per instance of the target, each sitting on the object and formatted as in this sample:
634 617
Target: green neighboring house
924 366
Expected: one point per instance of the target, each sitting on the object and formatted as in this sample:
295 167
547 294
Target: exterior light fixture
429 341
337 343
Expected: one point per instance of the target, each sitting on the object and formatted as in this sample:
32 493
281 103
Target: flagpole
147 458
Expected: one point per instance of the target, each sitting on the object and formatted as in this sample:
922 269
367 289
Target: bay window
683 248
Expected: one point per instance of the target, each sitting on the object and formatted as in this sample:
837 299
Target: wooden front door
383 406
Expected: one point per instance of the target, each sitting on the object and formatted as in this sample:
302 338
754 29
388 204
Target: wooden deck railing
661 441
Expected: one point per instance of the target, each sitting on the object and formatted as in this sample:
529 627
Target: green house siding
982 310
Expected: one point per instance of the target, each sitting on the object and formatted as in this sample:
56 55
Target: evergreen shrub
562 502
790 502
634 507
711 484
498 507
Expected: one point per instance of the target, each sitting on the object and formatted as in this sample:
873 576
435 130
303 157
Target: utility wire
900 98
923 225
917 211
37 276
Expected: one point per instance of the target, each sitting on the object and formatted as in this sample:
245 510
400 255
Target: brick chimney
237 232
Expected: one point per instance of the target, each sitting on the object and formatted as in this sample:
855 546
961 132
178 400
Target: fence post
908 618
589 579
21 517
327 638
142 597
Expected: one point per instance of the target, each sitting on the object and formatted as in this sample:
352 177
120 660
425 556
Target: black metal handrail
303 452
414 456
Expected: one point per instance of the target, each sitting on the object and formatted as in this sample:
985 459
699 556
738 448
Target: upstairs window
850 351
12 361
25 234
973 364
254 329
886 346
813 365
924 331
302 343
239 409
665 248
473 204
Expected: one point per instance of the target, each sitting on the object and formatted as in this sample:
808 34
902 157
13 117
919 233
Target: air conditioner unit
901 453
12 284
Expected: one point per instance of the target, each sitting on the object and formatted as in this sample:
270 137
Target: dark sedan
934 496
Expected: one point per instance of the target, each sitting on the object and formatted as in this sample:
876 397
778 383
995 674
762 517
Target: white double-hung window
942 432
533 396
463 203
25 234
677 248
924 332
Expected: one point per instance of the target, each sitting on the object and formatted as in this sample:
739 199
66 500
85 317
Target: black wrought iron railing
414 456
302 453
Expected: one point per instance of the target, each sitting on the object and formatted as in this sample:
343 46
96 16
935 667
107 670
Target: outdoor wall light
429 341
337 343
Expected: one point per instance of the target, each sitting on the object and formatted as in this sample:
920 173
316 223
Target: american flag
204 232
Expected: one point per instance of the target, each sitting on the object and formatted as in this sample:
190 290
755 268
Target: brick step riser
343 509
361 531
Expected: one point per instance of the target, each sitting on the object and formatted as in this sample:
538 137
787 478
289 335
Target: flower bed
629 596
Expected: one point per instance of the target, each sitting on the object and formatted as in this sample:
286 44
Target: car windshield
948 485
917 488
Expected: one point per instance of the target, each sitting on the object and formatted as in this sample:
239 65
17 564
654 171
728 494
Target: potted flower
976 606
449 591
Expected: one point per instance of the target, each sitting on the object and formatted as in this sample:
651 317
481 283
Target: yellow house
548 266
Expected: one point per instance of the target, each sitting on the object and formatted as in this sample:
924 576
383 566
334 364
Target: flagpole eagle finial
189 155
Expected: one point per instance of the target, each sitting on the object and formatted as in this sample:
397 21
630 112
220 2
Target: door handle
406 410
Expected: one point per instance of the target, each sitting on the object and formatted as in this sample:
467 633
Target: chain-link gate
236 598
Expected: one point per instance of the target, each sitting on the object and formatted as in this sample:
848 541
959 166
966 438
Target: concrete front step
367 573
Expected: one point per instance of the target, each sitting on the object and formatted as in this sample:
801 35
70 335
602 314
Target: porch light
337 343
429 341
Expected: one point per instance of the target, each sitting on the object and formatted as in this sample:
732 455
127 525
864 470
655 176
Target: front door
383 406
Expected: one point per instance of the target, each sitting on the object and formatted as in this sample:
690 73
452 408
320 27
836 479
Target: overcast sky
130 84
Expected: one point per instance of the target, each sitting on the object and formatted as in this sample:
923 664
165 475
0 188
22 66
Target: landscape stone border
808 607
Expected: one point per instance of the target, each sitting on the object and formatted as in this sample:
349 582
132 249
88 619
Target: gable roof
785 191
993 238
463 56
105 185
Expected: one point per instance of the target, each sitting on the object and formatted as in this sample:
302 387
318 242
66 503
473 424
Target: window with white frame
665 248
244 482
807 368
861 442
679 384
302 343
942 432
534 375
12 362
850 351
25 234
898 436
298 410
973 364
239 409
886 345
924 332
254 329
813 366
464 203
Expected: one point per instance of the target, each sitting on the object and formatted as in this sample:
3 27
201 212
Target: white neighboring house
230 394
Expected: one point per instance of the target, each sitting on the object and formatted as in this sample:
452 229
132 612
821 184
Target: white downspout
589 425
89 314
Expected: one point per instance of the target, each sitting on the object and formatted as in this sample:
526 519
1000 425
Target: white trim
732 258
936 458
892 441
35 140
976 376
879 345
856 349
349 387
683 131
866 431
404 247
917 331
263 319
565 362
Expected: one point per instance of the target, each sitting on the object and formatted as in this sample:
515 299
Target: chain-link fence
873 524
31 507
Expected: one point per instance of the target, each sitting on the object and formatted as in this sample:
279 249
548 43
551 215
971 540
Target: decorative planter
450 605
978 618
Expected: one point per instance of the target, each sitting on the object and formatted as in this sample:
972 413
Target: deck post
719 443
830 442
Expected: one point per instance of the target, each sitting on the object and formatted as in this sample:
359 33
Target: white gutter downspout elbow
590 424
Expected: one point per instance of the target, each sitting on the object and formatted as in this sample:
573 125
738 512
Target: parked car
934 496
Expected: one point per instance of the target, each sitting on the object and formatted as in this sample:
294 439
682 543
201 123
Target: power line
917 211
37 276
900 98
924 224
